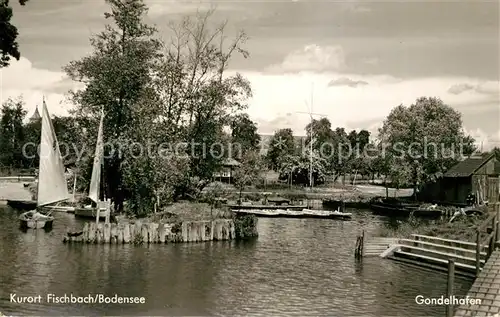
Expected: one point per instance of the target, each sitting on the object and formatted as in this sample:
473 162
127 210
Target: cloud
21 78
278 97
372 61
312 58
344 81
485 141
160 8
488 87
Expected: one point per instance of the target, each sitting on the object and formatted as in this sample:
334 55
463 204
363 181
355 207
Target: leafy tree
117 75
496 150
428 136
196 99
339 161
12 136
297 169
358 162
321 133
157 94
281 145
244 134
249 172
8 34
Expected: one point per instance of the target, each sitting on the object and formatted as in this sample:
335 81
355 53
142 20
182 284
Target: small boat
21 204
67 209
52 187
95 183
26 185
89 212
400 208
35 220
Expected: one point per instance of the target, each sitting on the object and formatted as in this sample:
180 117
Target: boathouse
225 173
477 174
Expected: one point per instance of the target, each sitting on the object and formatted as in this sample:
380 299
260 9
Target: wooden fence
487 235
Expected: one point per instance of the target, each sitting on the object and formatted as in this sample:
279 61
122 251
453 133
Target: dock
376 246
486 288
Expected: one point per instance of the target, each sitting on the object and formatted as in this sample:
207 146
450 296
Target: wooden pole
497 221
449 292
478 252
74 186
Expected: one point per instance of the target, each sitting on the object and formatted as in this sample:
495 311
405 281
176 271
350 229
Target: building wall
225 174
457 189
483 184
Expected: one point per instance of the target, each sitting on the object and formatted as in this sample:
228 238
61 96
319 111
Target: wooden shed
477 174
225 173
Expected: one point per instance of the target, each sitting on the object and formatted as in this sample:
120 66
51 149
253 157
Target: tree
12 138
118 76
196 97
296 169
249 172
496 150
157 94
8 34
428 136
339 160
281 145
321 133
244 134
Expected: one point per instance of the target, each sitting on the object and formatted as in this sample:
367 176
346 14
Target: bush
245 227
462 228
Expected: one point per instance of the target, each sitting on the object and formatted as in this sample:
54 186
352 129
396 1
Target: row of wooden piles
150 232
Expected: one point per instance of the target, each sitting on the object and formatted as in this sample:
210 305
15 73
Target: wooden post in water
108 211
449 291
358 251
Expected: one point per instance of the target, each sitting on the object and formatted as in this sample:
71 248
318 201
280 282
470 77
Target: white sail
52 186
95 181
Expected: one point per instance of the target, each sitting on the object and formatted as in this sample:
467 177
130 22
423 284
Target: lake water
297 267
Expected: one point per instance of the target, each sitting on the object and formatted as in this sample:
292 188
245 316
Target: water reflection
296 267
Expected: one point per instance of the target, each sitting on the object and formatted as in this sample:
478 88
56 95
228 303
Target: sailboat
52 186
95 182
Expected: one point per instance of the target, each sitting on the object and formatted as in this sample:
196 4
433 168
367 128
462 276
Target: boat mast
39 161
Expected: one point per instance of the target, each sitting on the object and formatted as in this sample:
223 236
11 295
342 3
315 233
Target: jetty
139 232
376 246
479 260
486 289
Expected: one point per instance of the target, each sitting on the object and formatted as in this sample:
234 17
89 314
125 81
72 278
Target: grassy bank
463 228
190 211
245 226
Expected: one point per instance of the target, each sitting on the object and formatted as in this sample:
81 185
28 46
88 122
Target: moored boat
400 208
67 209
51 186
102 207
35 220
21 204
89 212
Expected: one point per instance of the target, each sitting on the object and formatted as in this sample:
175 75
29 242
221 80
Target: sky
353 61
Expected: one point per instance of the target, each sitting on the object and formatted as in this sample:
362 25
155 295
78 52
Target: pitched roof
36 114
231 162
468 166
